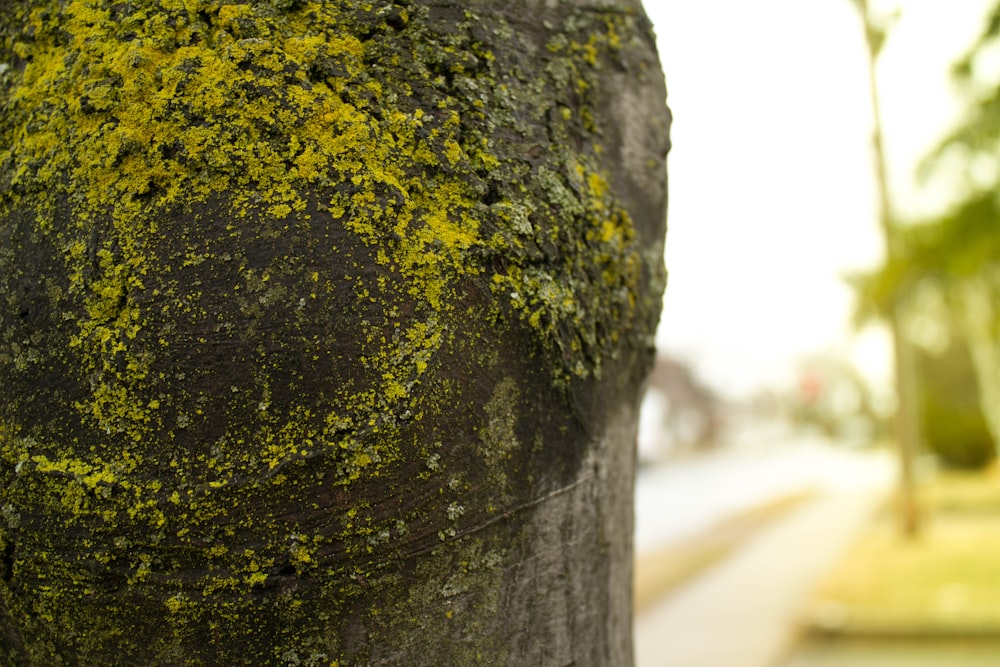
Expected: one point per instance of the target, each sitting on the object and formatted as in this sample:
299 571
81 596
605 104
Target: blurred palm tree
907 420
957 254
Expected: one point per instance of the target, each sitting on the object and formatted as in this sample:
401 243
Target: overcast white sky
771 182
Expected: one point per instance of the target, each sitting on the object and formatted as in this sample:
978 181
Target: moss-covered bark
321 329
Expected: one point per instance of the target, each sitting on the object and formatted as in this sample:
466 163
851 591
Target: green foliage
976 140
959 245
941 256
953 425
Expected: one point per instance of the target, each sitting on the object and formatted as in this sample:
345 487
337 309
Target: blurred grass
659 572
946 582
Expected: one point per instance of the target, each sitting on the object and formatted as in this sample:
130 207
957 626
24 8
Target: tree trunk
322 329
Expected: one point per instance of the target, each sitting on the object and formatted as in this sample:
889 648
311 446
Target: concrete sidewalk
742 612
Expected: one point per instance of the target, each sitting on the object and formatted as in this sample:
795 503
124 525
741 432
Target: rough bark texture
322 327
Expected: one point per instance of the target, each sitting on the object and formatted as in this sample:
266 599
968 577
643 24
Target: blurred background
817 483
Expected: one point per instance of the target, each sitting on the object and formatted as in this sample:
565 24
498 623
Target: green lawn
947 581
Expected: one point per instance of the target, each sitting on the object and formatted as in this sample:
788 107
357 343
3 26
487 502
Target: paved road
678 500
741 613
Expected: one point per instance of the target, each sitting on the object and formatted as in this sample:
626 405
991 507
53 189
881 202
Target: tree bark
322 329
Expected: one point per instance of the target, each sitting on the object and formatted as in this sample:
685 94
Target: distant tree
958 253
322 329
691 416
834 397
964 252
952 257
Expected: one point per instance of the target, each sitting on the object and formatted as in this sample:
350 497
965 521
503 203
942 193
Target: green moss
498 434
